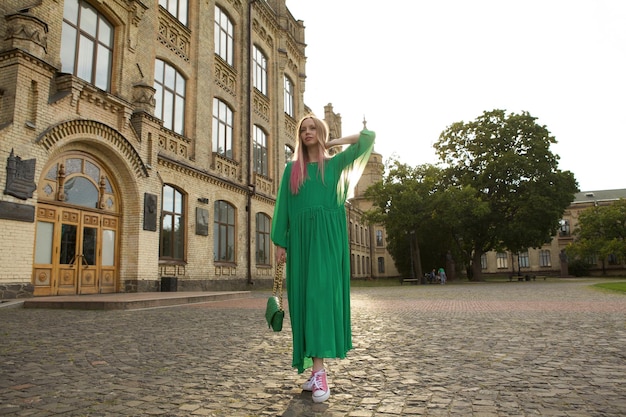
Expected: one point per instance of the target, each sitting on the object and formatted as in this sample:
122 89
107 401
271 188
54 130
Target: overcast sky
414 67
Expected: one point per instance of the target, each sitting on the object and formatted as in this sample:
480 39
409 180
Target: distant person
309 226
442 275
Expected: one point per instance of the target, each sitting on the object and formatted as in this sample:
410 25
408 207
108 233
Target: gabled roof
600 195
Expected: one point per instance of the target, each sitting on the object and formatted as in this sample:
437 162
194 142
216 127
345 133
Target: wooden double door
75 251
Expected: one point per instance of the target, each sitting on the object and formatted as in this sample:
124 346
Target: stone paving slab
553 348
131 301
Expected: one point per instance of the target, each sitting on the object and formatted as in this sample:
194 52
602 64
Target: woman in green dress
310 232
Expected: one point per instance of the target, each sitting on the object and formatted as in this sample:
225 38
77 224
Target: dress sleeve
280 221
352 162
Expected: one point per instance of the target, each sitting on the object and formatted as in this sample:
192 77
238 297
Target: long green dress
311 225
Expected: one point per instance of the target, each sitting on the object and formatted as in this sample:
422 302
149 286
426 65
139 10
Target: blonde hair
299 172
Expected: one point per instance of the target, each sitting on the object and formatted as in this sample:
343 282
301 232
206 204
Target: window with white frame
87 44
289 104
483 261
169 96
224 232
501 260
177 8
222 129
544 258
564 228
379 238
259 71
523 259
223 36
381 265
259 151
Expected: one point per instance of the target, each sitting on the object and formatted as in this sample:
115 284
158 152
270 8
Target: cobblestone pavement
544 348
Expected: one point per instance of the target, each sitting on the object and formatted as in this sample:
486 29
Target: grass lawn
613 286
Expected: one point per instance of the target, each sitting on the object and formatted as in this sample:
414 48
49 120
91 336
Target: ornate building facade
550 258
143 142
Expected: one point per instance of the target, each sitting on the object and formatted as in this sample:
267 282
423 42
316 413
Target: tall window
523 259
224 232
483 261
260 151
222 128
564 229
501 260
379 238
259 72
262 239
381 265
86 44
169 96
544 258
177 8
172 245
223 36
289 107
288 154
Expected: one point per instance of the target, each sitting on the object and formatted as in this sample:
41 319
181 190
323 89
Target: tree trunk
477 270
418 263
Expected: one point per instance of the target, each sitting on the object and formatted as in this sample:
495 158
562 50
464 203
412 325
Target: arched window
381 265
259 71
86 44
222 129
262 239
79 180
169 96
177 8
223 36
289 93
224 232
172 244
379 238
288 154
260 152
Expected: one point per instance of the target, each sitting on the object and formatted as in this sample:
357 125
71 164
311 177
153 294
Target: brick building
548 259
143 142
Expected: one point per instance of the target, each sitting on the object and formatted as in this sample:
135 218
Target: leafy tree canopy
601 231
506 163
498 186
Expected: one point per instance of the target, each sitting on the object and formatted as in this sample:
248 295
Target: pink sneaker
321 392
308 385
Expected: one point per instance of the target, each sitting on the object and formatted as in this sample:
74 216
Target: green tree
601 232
403 204
513 194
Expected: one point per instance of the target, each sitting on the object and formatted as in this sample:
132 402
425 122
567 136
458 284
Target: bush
578 268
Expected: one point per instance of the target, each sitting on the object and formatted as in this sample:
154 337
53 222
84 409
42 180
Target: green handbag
274 313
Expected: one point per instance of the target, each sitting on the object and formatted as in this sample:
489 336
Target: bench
416 280
526 277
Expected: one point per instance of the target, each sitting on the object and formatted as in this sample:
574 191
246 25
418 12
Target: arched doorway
77 231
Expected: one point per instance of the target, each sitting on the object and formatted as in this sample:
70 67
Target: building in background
549 259
143 142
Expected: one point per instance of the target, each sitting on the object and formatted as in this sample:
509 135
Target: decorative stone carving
143 98
28 33
202 221
150 212
20 177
